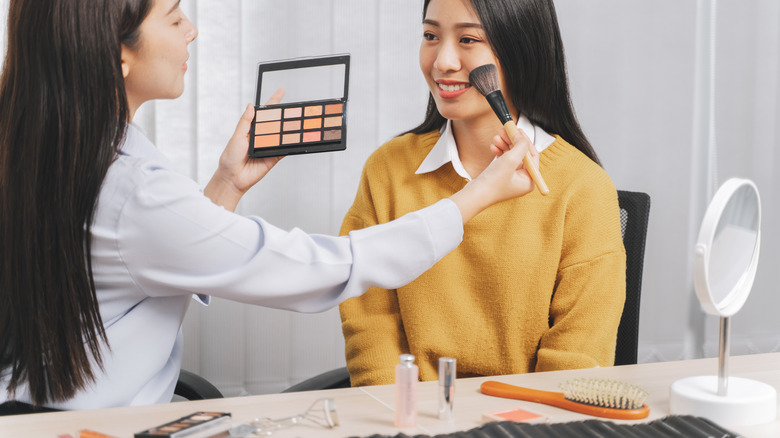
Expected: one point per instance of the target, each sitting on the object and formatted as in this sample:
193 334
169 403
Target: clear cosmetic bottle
406 376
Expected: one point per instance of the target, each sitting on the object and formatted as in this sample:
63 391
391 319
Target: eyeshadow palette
316 118
198 424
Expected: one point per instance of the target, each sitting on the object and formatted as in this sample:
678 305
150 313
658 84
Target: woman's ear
126 59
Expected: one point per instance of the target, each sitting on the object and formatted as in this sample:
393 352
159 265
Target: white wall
633 75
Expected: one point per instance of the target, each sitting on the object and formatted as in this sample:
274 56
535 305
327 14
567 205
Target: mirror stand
725 259
723 356
733 401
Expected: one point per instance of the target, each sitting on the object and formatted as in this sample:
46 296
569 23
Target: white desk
369 410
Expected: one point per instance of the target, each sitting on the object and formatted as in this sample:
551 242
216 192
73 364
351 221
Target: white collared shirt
157 240
446 150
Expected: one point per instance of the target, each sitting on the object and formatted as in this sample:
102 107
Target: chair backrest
634 216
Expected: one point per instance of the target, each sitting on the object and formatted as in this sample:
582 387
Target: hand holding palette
315 120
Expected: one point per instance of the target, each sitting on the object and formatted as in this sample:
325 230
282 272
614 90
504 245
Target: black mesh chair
189 386
634 217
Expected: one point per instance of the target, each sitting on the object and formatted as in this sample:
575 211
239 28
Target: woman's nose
447 59
192 33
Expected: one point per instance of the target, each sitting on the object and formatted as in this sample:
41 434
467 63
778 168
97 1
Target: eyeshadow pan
290 113
334 108
311 136
264 141
312 123
332 122
292 125
291 138
332 134
267 127
312 111
265 115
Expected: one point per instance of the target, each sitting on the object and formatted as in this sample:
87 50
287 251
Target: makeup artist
538 283
104 246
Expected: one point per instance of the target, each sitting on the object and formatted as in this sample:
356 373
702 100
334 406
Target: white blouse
157 240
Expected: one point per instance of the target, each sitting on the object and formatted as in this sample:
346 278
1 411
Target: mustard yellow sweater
537 284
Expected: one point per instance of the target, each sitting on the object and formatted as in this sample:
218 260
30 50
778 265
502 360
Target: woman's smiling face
454 44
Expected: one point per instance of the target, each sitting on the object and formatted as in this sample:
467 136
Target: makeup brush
599 398
485 79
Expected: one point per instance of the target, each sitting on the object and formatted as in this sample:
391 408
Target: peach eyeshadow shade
265 115
290 113
334 108
265 141
312 111
312 123
292 125
332 122
311 136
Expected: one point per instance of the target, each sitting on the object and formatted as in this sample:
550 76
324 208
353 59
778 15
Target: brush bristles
485 79
604 393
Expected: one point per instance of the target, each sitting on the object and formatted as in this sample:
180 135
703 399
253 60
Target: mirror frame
737 296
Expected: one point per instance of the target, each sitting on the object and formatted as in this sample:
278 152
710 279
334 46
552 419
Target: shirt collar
137 145
446 151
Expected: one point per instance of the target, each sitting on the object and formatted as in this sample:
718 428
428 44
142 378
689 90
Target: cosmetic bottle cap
447 373
407 360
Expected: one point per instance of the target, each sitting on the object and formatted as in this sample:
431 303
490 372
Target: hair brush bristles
485 79
600 398
607 393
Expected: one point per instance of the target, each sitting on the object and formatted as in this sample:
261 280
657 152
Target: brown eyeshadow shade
332 134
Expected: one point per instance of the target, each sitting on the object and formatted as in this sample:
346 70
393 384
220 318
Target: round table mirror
724 263
726 252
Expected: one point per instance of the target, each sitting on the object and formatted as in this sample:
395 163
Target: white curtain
633 73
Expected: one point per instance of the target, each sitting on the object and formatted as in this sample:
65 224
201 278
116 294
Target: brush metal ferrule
498 103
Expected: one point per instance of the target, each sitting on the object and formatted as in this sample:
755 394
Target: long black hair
63 116
525 38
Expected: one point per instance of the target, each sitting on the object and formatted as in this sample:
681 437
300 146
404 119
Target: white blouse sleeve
173 240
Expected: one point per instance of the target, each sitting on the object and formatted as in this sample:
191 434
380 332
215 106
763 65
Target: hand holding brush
485 79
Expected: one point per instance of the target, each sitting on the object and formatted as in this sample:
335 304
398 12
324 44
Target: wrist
222 191
471 200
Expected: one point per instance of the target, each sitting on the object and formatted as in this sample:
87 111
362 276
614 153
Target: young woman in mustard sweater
538 282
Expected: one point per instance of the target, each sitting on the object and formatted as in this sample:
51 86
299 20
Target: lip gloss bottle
406 376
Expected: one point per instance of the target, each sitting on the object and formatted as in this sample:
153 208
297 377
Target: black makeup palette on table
314 117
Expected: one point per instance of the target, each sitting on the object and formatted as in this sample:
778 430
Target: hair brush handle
505 390
528 162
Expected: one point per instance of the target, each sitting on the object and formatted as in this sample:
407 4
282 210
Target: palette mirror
724 261
313 117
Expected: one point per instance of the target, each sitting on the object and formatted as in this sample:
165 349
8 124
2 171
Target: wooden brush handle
505 390
528 162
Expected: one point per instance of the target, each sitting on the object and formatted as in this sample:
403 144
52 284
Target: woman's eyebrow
457 25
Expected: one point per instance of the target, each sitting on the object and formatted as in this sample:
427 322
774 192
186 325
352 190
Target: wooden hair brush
485 79
599 398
